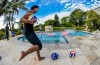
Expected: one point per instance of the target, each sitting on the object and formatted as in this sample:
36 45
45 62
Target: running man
31 35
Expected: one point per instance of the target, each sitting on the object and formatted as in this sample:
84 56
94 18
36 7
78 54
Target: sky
48 8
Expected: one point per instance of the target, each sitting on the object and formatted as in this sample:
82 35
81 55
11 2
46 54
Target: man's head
35 8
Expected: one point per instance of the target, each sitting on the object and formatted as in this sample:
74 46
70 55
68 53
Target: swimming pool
56 37
73 33
48 39
79 33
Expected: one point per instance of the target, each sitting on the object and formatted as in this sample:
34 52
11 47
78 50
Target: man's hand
32 21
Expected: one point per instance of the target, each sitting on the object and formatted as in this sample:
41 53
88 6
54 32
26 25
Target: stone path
87 52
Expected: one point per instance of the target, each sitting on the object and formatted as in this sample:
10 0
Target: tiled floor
85 53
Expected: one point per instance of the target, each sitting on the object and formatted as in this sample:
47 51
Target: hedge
80 28
18 32
37 29
1 34
63 28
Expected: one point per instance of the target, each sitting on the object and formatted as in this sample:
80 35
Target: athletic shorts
33 39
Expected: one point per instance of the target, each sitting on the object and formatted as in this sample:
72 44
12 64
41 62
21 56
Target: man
7 32
22 31
31 35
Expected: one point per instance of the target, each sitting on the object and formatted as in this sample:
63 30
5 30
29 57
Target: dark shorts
33 39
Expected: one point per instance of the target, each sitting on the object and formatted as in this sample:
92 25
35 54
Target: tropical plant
65 19
65 22
50 22
9 9
57 21
54 22
93 20
77 17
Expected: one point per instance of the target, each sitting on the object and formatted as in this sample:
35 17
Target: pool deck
87 52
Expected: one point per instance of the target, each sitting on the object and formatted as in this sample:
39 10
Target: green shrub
58 28
63 28
18 32
79 28
1 34
67 24
37 29
3 30
69 27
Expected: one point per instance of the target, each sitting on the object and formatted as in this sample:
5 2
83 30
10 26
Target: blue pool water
57 38
79 33
48 39
74 33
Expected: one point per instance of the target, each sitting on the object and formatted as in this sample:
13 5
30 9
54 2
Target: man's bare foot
22 55
39 59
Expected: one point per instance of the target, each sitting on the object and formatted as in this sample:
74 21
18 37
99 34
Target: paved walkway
88 52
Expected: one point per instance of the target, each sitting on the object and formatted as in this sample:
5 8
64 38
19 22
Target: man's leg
38 54
39 58
30 50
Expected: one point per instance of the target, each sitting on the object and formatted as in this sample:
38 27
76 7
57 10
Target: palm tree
10 9
8 20
3 5
18 5
7 7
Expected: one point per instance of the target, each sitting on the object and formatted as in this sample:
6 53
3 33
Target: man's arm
24 19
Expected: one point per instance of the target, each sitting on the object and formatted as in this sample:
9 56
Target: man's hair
34 6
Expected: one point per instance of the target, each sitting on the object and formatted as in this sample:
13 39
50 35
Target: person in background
7 32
